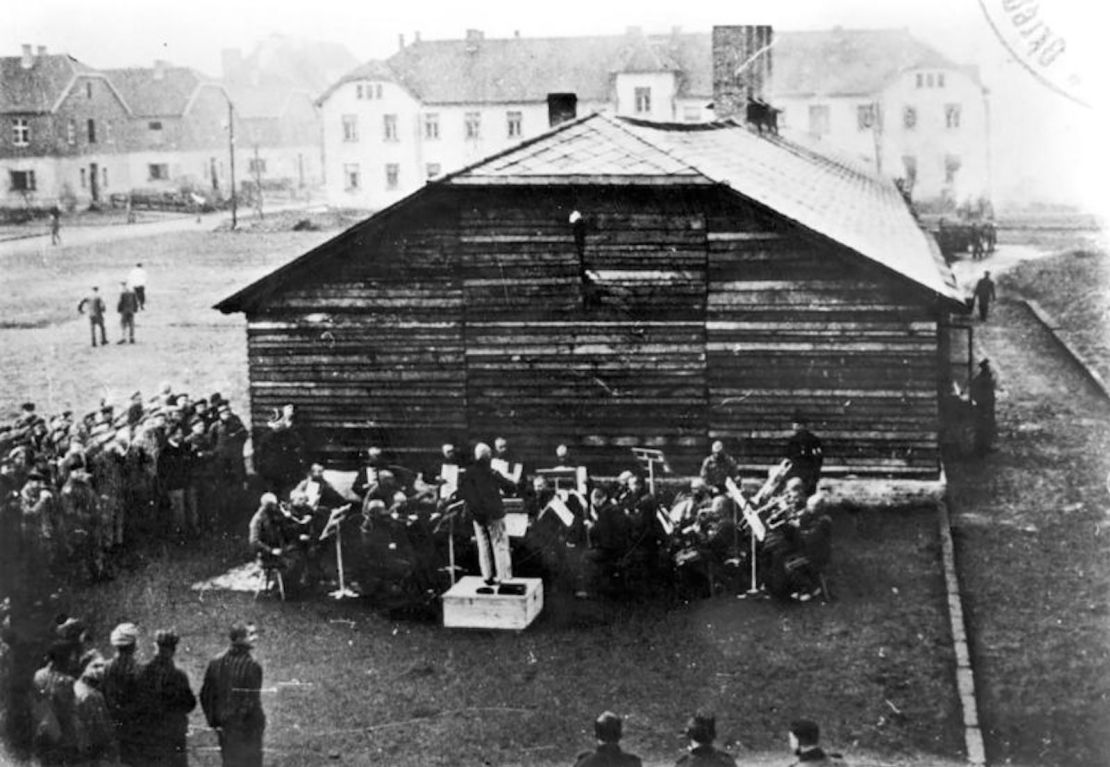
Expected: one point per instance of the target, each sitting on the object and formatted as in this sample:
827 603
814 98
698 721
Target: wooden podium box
464 607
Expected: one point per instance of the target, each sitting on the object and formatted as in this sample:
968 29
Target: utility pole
258 182
231 152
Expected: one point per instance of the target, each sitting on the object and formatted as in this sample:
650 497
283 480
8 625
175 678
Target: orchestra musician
646 534
367 476
718 467
610 536
275 538
799 544
320 493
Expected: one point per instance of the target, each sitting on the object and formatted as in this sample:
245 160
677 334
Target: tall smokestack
742 67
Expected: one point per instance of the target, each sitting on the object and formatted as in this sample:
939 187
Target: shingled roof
38 88
149 96
835 62
834 199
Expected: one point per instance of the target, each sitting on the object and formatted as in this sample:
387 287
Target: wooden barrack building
616 283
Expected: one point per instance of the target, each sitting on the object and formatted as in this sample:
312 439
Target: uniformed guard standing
805 453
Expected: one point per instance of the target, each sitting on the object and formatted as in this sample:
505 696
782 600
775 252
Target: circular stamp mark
1043 37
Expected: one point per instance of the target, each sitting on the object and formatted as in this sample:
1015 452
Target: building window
71 132
515 122
431 126
84 178
473 124
154 128
377 90
909 164
390 127
940 79
920 79
104 177
158 171
392 175
432 169
642 100
88 90
91 130
351 176
865 116
22 180
819 119
21 131
691 114
951 168
909 118
350 128
256 165
154 125
358 91
952 115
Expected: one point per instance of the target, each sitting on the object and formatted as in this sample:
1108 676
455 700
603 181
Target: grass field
1032 525
874 667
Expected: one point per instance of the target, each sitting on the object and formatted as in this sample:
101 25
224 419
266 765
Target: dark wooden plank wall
463 320
369 346
544 369
795 325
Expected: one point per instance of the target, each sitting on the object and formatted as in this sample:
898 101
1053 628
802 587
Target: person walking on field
95 304
127 306
136 278
984 294
55 226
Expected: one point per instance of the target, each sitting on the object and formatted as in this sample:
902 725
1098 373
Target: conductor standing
481 489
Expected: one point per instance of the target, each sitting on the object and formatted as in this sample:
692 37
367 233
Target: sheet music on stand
565 515
449 474
651 457
511 473
759 530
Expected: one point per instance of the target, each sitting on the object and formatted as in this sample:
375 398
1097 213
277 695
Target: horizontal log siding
370 347
543 369
793 326
463 319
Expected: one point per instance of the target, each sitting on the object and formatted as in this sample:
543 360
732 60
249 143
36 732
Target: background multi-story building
434 106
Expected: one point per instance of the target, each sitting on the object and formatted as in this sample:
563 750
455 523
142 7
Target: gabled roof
835 62
833 199
149 96
38 88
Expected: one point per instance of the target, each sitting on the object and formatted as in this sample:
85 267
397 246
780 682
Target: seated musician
799 546
645 531
274 538
609 540
718 467
367 476
319 492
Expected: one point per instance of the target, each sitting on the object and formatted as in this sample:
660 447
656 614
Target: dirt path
1032 535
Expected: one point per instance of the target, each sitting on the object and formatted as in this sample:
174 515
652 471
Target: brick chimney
474 39
41 51
28 59
741 67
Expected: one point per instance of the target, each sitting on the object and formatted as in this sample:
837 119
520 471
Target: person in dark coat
481 489
984 294
96 309
608 753
167 699
232 701
127 306
280 455
983 387
702 731
804 739
121 693
94 733
53 740
805 453
175 469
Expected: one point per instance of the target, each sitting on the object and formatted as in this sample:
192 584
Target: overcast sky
1041 140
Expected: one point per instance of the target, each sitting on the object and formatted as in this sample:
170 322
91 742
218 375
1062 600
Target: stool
268 576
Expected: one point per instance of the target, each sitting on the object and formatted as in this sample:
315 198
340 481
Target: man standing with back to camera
232 701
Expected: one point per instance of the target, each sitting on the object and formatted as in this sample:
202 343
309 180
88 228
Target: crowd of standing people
86 710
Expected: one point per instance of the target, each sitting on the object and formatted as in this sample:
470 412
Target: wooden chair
269 575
